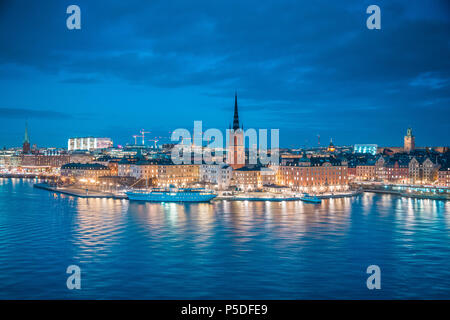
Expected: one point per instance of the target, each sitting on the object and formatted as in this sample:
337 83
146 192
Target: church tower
409 142
236 150
26 141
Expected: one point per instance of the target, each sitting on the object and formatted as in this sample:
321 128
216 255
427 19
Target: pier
79 192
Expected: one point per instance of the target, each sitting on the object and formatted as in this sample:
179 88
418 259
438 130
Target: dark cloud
18 113
313 65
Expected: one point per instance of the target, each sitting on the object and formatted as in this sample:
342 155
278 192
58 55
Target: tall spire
26 138
236 116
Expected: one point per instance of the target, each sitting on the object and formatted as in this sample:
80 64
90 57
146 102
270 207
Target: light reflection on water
222 249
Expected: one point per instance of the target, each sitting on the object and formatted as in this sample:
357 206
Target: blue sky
304 67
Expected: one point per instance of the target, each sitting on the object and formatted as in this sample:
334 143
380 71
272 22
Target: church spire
26 141
26 138
236 116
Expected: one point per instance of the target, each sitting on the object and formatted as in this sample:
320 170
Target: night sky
304 67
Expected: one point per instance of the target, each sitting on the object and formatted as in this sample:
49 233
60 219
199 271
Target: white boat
171 195
308 198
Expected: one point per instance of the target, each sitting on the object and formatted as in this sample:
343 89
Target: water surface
221 250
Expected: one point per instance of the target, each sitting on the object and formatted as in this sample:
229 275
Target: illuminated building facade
85 170
365 172
42 160
316 174
247 178
177 175
89 143
218 174
365 148
444 176
422 170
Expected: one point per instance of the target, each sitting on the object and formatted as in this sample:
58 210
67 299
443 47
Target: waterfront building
366 172
235 143
89 143
409 141
315 174
124 166
380 172
422 170
144 169
247 178
269 175
45 160
444 176
396 170
179 175
90 171
218 174
10 159
351 170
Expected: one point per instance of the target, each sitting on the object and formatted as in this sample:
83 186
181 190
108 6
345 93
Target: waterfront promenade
244 196
79 192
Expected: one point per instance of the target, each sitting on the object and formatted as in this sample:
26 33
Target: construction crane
155 140
143 132
135 138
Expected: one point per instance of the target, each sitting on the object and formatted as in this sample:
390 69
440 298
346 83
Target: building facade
317 174
85 170
89 143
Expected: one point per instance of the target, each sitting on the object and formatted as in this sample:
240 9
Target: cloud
431 80
310 65
19 113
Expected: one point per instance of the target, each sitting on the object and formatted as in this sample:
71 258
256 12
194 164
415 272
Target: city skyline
123 72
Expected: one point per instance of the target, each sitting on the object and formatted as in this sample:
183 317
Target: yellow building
314 175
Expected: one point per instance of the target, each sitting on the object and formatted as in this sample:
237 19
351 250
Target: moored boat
311 199
171 195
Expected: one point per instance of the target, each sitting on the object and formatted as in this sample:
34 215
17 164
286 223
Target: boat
171 195
425 196
308 198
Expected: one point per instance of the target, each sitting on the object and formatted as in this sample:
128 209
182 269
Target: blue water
222 250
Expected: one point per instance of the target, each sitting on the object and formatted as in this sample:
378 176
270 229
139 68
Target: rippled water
230 250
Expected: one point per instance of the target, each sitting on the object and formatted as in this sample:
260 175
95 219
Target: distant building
331 147
235 147
43 160
409 141
81 157
85 170
89 143
365 148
